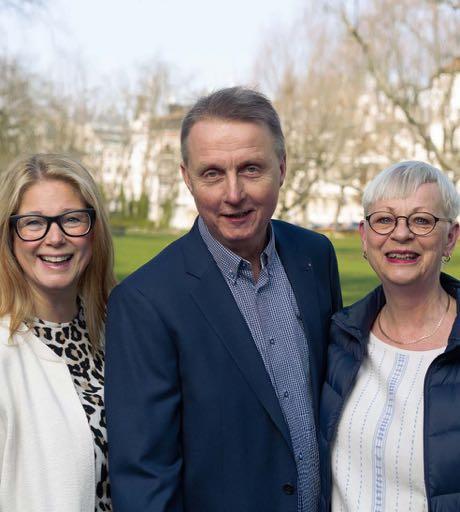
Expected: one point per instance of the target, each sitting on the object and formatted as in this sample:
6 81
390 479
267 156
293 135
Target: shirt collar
228 262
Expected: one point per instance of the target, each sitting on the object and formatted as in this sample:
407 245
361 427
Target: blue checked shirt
271 313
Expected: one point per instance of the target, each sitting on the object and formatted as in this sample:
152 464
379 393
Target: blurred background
358 84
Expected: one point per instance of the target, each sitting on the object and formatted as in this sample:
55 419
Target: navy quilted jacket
349 336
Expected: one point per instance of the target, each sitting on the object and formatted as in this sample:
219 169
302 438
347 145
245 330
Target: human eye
423 222
421 219
211 174
382 218
251 170
74 218
32 223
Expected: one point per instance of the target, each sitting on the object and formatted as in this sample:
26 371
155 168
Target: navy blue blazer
194 423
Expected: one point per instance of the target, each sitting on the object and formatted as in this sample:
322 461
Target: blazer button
288 489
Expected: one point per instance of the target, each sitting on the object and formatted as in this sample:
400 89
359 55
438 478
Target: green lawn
132 251
357 278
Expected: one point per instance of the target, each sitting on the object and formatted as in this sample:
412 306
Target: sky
207 43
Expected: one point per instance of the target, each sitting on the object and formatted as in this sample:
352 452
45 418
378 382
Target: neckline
40 322
432 351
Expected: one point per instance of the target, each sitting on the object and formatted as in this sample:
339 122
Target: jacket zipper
345 396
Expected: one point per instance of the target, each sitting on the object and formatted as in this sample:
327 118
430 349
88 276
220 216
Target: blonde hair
16 297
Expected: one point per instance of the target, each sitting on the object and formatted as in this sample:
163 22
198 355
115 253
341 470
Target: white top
377 456
70 341
46 446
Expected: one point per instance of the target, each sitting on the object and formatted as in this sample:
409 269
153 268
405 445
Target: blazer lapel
216 302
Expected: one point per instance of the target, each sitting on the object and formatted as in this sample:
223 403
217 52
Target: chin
57 287
402 278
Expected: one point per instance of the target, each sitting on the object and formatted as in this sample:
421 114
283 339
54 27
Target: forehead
50 197
426 197
222 135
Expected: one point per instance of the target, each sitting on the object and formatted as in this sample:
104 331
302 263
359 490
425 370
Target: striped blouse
377 457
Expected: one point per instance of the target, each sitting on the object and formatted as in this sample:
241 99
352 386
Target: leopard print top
70 341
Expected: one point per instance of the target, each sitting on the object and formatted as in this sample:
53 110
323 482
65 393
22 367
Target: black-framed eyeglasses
31 228
418 223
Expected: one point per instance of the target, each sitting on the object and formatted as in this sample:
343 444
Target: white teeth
55 259
398 256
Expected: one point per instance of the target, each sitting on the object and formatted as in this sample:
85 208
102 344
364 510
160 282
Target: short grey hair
234 104
404 178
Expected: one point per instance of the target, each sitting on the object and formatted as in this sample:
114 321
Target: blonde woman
55 276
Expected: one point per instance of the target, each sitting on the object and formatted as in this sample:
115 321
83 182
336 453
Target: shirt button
288 489
286 394
272 341
300 456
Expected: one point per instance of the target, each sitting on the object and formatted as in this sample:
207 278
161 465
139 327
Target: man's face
234 176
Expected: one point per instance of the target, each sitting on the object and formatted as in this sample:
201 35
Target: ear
282 170
363 234
452 237
186 176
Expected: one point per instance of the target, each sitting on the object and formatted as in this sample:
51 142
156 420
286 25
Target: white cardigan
46 446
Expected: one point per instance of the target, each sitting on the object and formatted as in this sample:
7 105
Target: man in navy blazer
216 348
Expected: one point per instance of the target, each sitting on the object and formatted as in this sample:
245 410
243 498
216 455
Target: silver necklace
418 340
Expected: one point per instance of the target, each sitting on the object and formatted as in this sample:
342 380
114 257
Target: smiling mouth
402 256
56 259
237 215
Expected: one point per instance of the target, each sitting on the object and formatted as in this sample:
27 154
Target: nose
55 236
234 192
402 231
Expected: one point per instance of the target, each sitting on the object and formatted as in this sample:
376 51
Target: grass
357 278
132 251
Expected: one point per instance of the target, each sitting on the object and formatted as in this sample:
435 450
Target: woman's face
402 258
54 264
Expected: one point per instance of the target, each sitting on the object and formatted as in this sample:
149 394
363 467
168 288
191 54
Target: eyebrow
38 212
414 210
252 161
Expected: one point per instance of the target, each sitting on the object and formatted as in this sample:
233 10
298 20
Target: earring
445 259
365 255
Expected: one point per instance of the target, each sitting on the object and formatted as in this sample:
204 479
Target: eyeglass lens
32 227
420 223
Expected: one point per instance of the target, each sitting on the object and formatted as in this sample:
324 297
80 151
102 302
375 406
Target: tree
318 94
411 49
19 111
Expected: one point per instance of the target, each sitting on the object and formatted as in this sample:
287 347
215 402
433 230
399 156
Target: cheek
207 199
264 195
22 252
86 250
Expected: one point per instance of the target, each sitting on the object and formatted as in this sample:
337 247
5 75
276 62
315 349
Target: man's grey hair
234 104
404 178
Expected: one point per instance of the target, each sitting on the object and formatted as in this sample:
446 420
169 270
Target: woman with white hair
55 277
390 411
